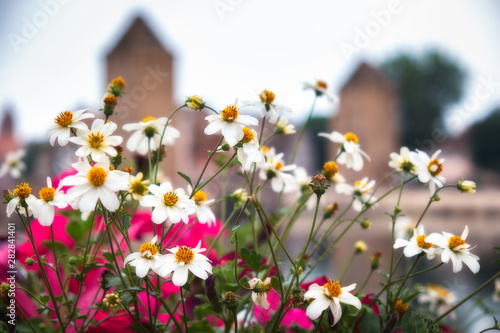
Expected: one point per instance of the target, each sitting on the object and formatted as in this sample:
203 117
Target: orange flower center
22 191
97 176
247 135
400 307
170 198
279 165
145 120
64 119
421 242
110 99
267 96
184 254
351 137
118 82
455 241
148 250
95 140
200 196
321 84
47 193
230 113
435 167
330 168
332 288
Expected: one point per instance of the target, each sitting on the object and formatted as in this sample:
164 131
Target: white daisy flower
98 141
350 153
262 289
361 190
428 168
22 199
64 122
402 162
202 206
181 260
230 123
455 248
282 127
137 186
146 258
403 228
95 182
276 170
168 203
266 106
320 88
416 244
148 129
437 298
330 295
13 164
249 152
49 198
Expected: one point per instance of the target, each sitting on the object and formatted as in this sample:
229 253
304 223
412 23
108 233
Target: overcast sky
52 51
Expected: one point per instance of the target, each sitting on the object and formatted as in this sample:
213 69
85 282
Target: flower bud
29 262
365 224
116 86
375 260
195 103
466 186
330 210
225 146
360 247
318 184
231 301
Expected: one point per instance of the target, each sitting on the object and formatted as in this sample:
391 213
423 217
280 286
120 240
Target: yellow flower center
421 242
230 113
145 120
170 198
184 254
279 165
200 196
22 191
267 96
47 193
455 241
112 300
330 168
95 140
321 84
97 176
351 137
400 307
440 291
110 100
148 250
247 135
332 289
138 187
361 188
435 167
64 119
265 149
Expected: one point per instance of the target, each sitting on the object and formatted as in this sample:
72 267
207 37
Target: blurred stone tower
147 68
368 108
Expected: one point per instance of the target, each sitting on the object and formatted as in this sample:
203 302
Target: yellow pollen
97 176
435 167
145 120
148 250
421 242
333 289
455 241
200 196
321 84
230 113
95 140
118 82
440 291
265 149
22 191
247 135
64 119
170 198
184 254
351 137
400 307
279 165
267 96
47 193
330 168
110 99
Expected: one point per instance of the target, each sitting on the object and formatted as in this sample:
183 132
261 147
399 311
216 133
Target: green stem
302 130
215 174
363 285
193 192
405 279
184 310
346 265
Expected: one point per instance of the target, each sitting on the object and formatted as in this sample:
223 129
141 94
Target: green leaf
185 177
75 230
112 280
414 322
275 283
44 299
57 246
253 259
108 256
204 309
201 327
369 323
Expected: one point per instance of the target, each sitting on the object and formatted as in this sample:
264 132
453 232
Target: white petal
317 306
179 278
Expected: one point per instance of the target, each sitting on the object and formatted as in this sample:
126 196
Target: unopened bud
195 103
365 224
360 247
225 146
29 262
318 184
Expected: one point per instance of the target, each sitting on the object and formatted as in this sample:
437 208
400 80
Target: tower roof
366 74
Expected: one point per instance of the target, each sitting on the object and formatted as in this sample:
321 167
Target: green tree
426 86
485 141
